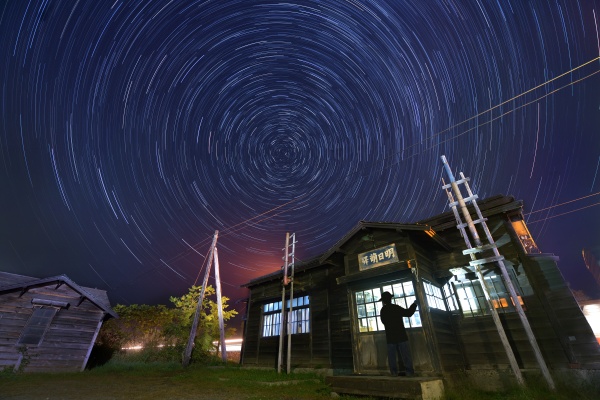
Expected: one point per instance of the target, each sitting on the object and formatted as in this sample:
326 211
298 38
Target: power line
568 212
562 204
484 123
519 95
504 102
229 230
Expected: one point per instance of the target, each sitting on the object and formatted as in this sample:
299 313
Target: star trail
132 130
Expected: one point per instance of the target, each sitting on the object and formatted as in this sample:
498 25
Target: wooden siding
448 341
449 349
447 354
552 312
557 308
69 336
327 343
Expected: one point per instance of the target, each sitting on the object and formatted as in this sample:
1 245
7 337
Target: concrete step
413 388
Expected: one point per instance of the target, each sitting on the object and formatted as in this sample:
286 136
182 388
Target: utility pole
498 259
187 355
282 318
220 307
291 318
286 316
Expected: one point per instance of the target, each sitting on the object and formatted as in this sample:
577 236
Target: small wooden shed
49 324
335 321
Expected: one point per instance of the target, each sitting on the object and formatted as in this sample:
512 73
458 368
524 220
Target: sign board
378 257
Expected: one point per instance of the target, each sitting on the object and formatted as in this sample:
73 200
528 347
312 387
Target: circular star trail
132 130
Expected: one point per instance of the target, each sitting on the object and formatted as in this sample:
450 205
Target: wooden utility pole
287 315
220 307
291 313
282 318
497 259
187 355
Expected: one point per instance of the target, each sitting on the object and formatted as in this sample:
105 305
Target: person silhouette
395 334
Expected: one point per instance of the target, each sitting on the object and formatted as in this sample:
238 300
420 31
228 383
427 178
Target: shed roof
12 282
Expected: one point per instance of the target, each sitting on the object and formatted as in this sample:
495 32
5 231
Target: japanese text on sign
378 257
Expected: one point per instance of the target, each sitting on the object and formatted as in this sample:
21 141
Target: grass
130 378
163 381
533 391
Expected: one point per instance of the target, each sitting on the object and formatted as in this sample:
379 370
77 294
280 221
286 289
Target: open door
370 347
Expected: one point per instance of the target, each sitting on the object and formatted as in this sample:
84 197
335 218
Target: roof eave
60 279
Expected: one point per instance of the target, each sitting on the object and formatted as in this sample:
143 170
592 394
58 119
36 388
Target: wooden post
289 324
291 315
89 351
283 314
281 331
187 355
513 294
220 307
503 338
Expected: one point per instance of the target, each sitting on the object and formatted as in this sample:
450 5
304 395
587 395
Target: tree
208 326
138 325
152 326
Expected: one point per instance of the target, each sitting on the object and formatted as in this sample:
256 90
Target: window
37 325
434 296
472 298
298 321
271 319
368 305
450 297
522 232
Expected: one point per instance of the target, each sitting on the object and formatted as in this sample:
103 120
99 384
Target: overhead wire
225 231
232 230
489 110
562 204
244 224
484 123
558 215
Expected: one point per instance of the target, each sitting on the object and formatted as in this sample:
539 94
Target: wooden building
48 324
335 321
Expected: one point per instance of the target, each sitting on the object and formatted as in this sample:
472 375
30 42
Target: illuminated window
450 297
472 298
524 236
298 321
434 296
37 325
368 306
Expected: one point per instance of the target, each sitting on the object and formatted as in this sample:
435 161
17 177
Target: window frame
435 296
369 300
470 287
37 331
271 317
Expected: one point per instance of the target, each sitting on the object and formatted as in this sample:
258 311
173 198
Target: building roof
361 225
489 206
12 282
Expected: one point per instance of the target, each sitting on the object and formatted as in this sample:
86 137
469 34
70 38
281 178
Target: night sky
132 130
